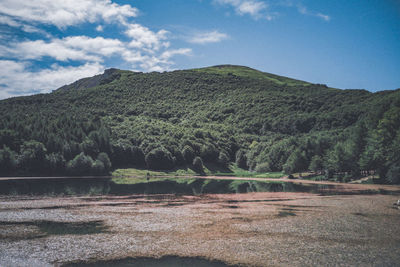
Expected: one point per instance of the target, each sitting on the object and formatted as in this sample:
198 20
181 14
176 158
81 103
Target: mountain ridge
211 112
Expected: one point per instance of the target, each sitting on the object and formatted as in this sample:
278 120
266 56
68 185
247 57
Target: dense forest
221 115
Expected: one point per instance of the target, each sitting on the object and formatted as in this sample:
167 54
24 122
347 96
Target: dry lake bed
249 229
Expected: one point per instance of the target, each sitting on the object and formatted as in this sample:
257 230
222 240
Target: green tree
98 168
32 157
103 157
80 165
56 163
198 165
316 164
223 158
297 162
241 159
7 161
159 159
188 154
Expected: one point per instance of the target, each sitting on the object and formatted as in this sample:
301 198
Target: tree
103 157
393 174
98 168
32 157
56 163
80 165
316 164
198 165
296 162
241 159
223 158
7 161
159 159
188 154
209 153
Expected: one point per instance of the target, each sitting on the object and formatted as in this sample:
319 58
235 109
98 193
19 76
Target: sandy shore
253 229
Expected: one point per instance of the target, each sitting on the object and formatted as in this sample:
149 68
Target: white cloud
83 48
254 8
145 49
16 79
181 51
323 16
303 10
260 9
9 21
142 37
208 37
63 13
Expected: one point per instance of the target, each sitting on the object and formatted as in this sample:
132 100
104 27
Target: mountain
221 114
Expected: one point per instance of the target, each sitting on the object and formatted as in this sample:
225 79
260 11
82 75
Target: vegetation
218 115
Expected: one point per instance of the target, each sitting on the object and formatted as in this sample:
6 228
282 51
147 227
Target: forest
222 115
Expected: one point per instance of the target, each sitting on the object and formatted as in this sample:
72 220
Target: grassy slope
247 72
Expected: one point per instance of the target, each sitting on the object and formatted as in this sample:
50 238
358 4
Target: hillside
221 114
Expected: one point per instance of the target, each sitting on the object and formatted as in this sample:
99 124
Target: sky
45 44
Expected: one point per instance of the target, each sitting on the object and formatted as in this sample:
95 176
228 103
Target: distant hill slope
209 112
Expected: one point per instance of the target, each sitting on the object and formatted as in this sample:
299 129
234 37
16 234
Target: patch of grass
247 72
210 169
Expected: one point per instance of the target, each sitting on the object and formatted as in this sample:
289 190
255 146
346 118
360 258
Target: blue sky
45 44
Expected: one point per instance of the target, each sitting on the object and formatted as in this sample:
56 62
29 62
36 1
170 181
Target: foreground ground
252 229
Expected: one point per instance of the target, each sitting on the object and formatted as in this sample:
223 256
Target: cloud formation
64 13
208 37
74 56
17 79
259 9
254 8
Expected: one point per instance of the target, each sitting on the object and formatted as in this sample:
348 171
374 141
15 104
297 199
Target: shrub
263 167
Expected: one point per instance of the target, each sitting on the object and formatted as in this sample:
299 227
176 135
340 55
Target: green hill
221 114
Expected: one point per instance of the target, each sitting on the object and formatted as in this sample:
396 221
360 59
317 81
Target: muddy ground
252 229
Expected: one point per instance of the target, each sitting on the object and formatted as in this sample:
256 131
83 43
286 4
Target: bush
263 167
198 165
